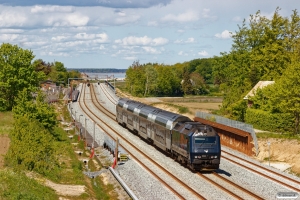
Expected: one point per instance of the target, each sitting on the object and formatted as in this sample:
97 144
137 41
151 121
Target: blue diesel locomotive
191 143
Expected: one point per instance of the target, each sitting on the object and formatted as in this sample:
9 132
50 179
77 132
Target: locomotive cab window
207 140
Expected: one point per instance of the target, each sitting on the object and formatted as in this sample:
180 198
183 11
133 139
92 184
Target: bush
273 122
31 147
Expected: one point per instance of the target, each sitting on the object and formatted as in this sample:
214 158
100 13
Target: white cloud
10 18
74 19
11 31
189 40
224 35
130 58
8 37
102 37
202 53
101 47
183 17
159 41
144 41
237 19
59 38
36 43
151 50
181 53
48 9
206 14
50 53
125 19
152 23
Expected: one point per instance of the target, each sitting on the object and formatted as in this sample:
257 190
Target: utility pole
85 130
116 152
75 123
269 151
79 135
93 145
94 136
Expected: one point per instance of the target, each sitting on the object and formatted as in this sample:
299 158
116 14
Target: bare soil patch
66 190
60 189
4 145
281 151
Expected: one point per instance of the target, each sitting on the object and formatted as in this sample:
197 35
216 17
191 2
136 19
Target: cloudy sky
114 33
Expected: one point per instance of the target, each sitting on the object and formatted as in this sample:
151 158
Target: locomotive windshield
207 140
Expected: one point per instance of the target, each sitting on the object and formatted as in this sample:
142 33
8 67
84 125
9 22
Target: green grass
103 191
6 122
16 185
70 169
65 113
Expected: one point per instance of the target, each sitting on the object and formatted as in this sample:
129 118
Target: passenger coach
191 143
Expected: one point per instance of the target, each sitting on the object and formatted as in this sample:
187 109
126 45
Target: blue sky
115 33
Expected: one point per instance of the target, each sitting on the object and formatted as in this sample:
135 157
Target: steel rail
268 170
262 174
264 168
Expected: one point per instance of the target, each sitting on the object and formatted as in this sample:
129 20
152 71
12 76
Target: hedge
273 122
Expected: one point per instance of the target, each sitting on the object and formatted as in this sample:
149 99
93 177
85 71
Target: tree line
263 49
152 79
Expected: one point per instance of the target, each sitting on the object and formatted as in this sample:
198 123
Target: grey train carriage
191 143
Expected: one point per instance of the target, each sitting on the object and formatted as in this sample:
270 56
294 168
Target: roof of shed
260 85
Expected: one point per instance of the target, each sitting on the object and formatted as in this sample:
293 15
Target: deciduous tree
16 73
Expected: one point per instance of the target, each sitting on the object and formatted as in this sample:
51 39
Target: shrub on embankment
272 122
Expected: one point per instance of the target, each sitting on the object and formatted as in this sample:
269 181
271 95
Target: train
191 143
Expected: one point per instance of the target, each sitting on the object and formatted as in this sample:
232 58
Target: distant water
106 75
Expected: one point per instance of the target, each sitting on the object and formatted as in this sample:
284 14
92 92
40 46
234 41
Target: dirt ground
284 154
4 144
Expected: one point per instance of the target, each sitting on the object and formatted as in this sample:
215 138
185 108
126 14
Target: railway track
108 95
265 172
236 191
156 170
100 102
230 187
